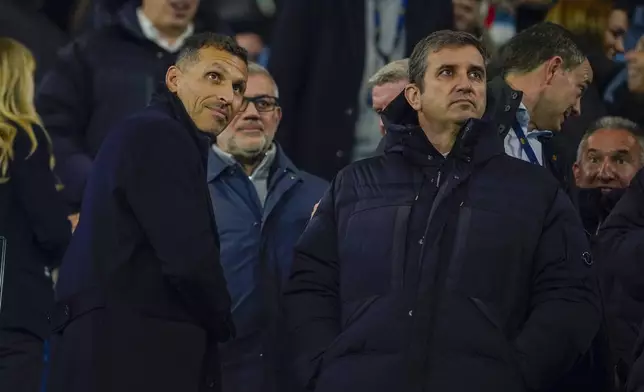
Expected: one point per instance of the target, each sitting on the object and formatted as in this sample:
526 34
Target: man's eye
593 160
263 104
239 88
476 75
212 76
446 72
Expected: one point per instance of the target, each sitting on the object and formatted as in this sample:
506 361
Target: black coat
34 223
100 78
142 300
420 273
621 243
317 60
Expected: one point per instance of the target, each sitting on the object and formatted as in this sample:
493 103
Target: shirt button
292 177
514 95
501 128
411 313
255 224
348 111
429 157
507 108
159 55
261 354
421 241
339 153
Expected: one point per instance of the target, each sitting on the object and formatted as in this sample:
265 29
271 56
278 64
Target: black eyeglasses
263 103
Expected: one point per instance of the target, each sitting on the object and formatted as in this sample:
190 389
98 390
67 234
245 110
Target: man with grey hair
387 84
442 264
609 155
262 203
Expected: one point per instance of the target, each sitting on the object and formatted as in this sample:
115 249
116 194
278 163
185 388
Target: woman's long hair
17 110
587 19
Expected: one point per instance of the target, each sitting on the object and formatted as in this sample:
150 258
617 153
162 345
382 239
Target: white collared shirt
153 34
512 144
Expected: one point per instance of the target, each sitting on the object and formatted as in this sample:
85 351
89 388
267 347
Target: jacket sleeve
171 203
621 239
36 192
311 298
564 307
64 104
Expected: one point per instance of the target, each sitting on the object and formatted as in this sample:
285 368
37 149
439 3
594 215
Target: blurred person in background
387 84
262 203
105 75
34 231
614 34
468 18
323 53
25 21
141 303
628 99
609 155
251 21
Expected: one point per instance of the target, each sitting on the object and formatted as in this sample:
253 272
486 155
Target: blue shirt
512 144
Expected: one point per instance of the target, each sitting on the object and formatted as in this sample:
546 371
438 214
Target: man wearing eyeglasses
262 203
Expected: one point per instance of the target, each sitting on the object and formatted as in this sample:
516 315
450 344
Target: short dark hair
190 51
435 42
537 44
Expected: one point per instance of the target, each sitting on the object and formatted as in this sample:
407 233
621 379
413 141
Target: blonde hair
17 109
584 18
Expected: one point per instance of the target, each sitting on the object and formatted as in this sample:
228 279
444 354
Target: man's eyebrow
478 68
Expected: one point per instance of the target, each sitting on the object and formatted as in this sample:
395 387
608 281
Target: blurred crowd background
316 50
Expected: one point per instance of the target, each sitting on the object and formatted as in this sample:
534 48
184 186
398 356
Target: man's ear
172 78
412 95
576 171
553 66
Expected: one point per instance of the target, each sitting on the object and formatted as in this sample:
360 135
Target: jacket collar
217 165
476 141
502 104
172 105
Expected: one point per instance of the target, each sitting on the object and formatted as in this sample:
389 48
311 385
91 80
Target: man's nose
464 83
606 171
576 109
619 45
227 93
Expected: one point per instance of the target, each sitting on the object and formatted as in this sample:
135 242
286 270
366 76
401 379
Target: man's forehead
465 56
609 137
259 84
221 58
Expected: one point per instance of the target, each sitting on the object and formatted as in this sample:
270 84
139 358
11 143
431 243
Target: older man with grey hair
387 84
262 203
609 155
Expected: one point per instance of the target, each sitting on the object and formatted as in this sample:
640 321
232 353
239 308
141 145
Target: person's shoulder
313 181
521 174
150 126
